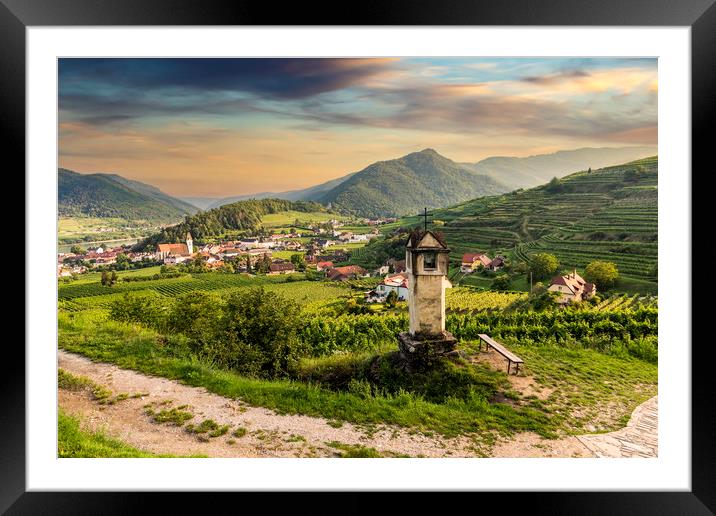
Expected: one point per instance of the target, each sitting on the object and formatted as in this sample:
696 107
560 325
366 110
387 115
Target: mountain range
111 195
427 179
394 187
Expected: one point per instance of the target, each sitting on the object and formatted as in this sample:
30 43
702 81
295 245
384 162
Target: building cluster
472 262
73 263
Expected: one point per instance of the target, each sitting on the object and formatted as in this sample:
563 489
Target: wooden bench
502 350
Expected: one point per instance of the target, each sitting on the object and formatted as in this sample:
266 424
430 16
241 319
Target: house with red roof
397 283
322 266
572 288
473 261
346 272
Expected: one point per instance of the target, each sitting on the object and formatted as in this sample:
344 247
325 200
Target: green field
84 230
286 219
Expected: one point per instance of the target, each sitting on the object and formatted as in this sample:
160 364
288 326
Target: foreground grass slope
72 441
580 375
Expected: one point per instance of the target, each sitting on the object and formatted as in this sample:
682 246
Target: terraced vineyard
606 214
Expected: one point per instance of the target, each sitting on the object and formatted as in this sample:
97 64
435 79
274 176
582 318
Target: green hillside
401 186
112 196
607 214
537 170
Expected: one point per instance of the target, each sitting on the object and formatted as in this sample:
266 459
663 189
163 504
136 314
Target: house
321 266
322 242
497 263
572 288
398 265
382 270
281 268
345 273
397 283
473 261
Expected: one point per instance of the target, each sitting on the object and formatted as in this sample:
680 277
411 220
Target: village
318 250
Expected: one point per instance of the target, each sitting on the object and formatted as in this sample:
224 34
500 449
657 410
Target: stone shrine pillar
426 262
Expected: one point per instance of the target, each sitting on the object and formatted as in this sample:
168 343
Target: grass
239 432
100 393
577 373
72 441
209 427
354 451
176 416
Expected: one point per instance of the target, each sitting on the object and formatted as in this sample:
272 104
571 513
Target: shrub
256 334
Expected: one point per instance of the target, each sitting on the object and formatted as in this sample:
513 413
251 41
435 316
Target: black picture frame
699 15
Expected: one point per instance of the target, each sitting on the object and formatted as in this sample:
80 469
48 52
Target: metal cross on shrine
425 216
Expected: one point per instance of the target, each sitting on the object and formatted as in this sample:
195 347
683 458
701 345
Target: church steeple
189 243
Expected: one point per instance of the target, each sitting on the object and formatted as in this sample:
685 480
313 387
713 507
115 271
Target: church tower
189 243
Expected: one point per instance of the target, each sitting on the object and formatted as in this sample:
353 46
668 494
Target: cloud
554 78
275 78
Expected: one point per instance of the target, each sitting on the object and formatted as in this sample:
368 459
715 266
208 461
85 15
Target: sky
222 127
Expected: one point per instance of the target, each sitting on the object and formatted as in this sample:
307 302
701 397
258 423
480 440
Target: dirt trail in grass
267 434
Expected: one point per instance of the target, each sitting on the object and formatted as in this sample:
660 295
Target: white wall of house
566 295
401 291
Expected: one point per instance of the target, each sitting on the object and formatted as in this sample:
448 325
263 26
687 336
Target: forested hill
242 215
110 195
402 186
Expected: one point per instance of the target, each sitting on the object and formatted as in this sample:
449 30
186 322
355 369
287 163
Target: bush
256 334
501 282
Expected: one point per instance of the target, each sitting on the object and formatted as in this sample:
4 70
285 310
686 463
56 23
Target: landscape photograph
424 257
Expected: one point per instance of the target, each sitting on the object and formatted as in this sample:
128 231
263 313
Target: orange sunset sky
223 127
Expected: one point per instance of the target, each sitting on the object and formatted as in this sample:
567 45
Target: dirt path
268 434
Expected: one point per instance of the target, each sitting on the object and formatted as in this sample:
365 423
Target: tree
123 262
543 265
108 279
264 264
298 261
555 185
501 282
391 299
589 171
77 249
540 298
603 274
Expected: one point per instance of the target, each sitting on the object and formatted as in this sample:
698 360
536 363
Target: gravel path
269 434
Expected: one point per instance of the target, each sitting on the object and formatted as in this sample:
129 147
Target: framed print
452 240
